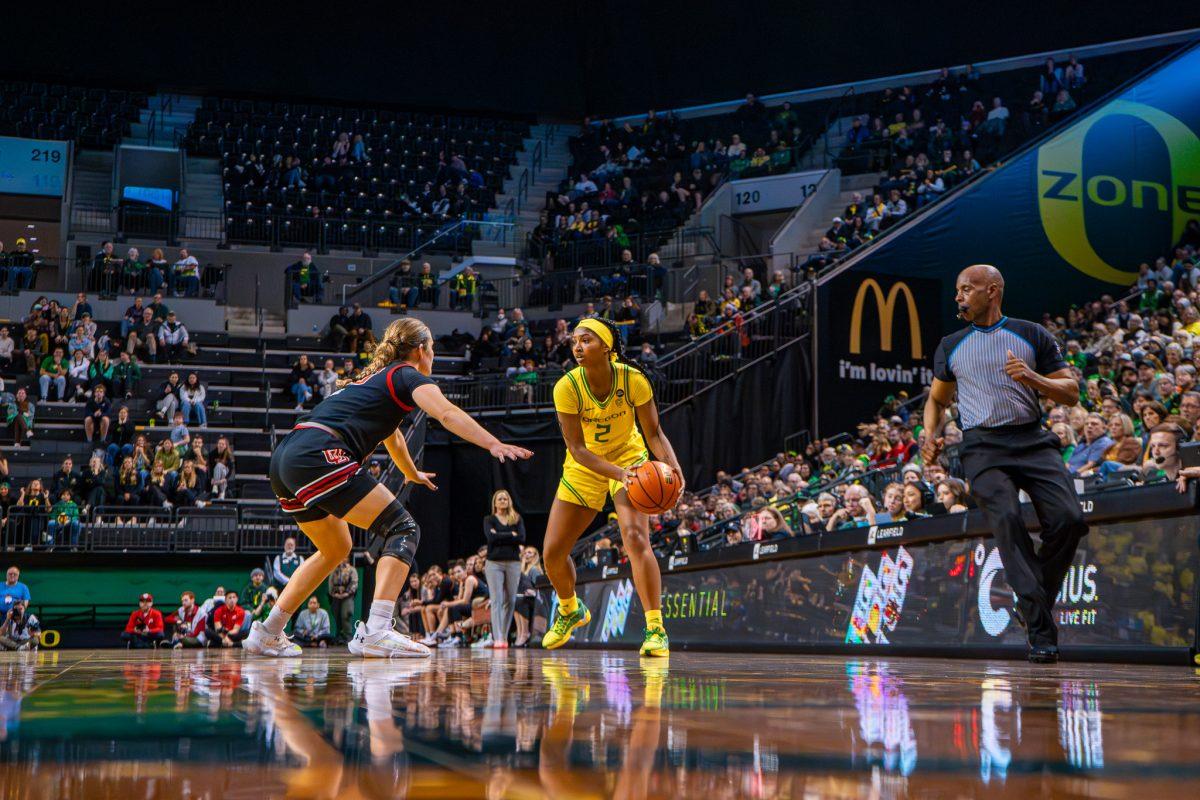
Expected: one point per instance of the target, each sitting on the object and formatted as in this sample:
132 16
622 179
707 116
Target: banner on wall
1066 221
946 594
879 335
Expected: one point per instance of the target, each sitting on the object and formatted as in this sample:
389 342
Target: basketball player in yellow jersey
600 404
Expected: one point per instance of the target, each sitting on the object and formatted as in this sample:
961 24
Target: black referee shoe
1043 654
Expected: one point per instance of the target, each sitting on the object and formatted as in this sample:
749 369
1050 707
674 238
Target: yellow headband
598 328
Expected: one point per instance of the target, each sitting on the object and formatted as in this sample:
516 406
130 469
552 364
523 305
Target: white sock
381 616
277 620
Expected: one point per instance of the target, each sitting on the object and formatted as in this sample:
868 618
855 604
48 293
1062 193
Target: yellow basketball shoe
655 642
564 625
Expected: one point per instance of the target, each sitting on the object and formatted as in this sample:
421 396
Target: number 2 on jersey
602 433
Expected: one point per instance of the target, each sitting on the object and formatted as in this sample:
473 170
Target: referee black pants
999 462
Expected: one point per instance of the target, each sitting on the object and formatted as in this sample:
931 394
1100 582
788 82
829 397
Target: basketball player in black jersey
317 474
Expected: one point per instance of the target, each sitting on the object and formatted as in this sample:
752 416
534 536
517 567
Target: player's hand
1017 369
629 477
508 452
425 479
682 483
932 449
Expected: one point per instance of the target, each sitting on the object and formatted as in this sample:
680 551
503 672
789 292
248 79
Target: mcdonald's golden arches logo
886 304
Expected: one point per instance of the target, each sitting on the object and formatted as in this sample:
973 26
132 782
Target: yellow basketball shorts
583 487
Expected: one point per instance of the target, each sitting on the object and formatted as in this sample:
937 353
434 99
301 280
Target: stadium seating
399 175
590 228
90 117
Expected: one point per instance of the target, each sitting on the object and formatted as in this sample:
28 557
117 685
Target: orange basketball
654 488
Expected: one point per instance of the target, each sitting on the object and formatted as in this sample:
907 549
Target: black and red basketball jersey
366 412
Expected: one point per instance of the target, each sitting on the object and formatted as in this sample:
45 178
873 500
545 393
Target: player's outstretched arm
657 441
431 400
398 449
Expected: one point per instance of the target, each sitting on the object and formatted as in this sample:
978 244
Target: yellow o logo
1061 189
50 638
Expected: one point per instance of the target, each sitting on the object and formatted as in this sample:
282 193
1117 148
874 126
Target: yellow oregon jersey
609 430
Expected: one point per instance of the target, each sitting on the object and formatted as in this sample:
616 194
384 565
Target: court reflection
587 724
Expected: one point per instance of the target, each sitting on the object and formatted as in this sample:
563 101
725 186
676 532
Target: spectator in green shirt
54 369
125 376
1151 297
134 271
255 594
463 289
64 518
270 597
159 309
168 457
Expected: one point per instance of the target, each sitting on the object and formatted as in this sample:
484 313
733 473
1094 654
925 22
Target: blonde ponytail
400 339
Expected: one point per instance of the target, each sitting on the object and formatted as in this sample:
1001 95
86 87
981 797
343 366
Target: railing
368 236
93 219
736 344
215 528
148 223
260 316
151 125
11 280
154 529
522 193
213 280
680 242
81 615
455 237
568 287
831 116
503 393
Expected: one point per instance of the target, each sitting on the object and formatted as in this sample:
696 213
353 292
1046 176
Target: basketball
654 489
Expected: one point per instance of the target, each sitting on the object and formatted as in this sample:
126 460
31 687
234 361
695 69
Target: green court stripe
571 489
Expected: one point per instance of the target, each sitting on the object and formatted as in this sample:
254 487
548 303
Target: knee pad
394 533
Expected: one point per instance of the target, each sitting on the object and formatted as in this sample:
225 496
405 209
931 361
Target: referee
1000 368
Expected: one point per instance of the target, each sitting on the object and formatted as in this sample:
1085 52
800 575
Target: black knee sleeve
394 533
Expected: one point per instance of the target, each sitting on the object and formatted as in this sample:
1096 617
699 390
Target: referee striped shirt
974 358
